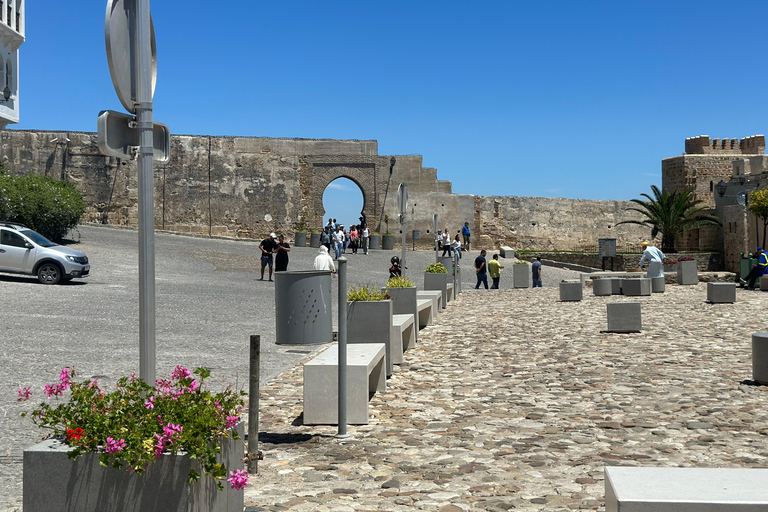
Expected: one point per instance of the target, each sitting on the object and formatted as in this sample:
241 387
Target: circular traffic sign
120 34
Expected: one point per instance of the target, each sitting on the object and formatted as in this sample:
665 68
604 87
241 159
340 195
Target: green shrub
436 268
366 293
50 207
399 282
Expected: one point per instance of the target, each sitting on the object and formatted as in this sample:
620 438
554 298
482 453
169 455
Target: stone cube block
571 291
602 287
658 284
636 287
721 293
624 317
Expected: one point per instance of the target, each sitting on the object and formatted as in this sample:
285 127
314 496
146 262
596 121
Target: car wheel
49 273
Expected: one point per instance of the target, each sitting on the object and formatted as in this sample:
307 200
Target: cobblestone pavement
517 400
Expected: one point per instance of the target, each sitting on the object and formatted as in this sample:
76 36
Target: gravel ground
209 302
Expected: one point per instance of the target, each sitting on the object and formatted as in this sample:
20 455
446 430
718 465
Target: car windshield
38 238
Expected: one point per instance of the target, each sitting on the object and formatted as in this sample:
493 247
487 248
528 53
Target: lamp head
7 93
721 187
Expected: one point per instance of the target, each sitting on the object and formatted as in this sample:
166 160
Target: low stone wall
705 262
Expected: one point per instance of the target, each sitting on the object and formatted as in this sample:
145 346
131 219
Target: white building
12 14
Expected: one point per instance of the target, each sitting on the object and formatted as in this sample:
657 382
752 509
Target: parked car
24 251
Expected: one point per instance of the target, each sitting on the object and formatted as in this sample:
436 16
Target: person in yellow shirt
494 268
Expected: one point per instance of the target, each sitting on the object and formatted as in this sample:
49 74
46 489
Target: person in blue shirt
758 270
465 232
481 268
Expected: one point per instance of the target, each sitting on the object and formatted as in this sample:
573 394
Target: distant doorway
343 200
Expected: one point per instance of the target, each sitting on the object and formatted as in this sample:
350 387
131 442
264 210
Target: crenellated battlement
704 145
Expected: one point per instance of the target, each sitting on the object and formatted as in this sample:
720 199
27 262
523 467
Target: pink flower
150 403
24 394
53 389
238 479
66 377
114 446
180 373
231 421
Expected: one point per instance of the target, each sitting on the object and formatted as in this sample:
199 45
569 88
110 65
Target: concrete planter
670 268
571 291
437 282
521 276
374 242
303 307
759 358
300 239
314 240
54 483
448 264
388 242
404 302
371 322
687 273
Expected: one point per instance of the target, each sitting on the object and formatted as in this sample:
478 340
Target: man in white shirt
338 238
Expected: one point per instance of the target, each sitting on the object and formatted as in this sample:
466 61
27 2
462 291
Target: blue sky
557 99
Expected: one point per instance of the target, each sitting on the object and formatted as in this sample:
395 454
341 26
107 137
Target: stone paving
518 401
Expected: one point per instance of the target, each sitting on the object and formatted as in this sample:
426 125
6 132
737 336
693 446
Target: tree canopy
671 214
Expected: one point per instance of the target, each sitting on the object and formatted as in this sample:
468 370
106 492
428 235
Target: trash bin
745 264
303 313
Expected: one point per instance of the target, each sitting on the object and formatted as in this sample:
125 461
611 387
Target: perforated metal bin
303 313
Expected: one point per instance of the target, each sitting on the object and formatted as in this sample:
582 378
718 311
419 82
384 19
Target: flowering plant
136 423
670 261
685 258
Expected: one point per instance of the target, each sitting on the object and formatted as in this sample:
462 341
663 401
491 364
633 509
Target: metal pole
253 405
436 229
146 190
453 260
342 263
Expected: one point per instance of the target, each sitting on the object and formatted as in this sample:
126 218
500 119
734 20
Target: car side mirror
28 245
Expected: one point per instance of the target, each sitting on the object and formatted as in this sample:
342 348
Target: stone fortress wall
739 163
245 187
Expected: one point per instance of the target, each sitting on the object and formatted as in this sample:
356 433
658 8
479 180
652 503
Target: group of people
337 237
445 243
493 267
274 252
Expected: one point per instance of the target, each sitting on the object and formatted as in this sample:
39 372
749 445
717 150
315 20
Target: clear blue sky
557 99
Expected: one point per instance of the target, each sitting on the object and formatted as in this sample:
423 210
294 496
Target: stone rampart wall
705 262
249 186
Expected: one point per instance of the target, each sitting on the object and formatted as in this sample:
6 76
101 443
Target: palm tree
671 214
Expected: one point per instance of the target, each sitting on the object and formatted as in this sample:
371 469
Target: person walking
465 232
354 239
445 240
267 246
281 254
338 238
655 259
325 238
323 260
481 269
494 268
536 270
366 236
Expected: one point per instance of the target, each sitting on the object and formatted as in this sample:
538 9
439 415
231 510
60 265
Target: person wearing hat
757 270
655 259
268 247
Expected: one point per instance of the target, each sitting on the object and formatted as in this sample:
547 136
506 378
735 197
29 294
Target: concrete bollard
624 317
721 293
602 287
571 291
636 287
658 284
760 357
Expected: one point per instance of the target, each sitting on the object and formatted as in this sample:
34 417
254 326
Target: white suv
24 251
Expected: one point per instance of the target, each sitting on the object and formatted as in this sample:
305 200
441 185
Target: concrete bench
506 252
449 292
403 326
645 489
435 295
594 275
365 376
426 308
